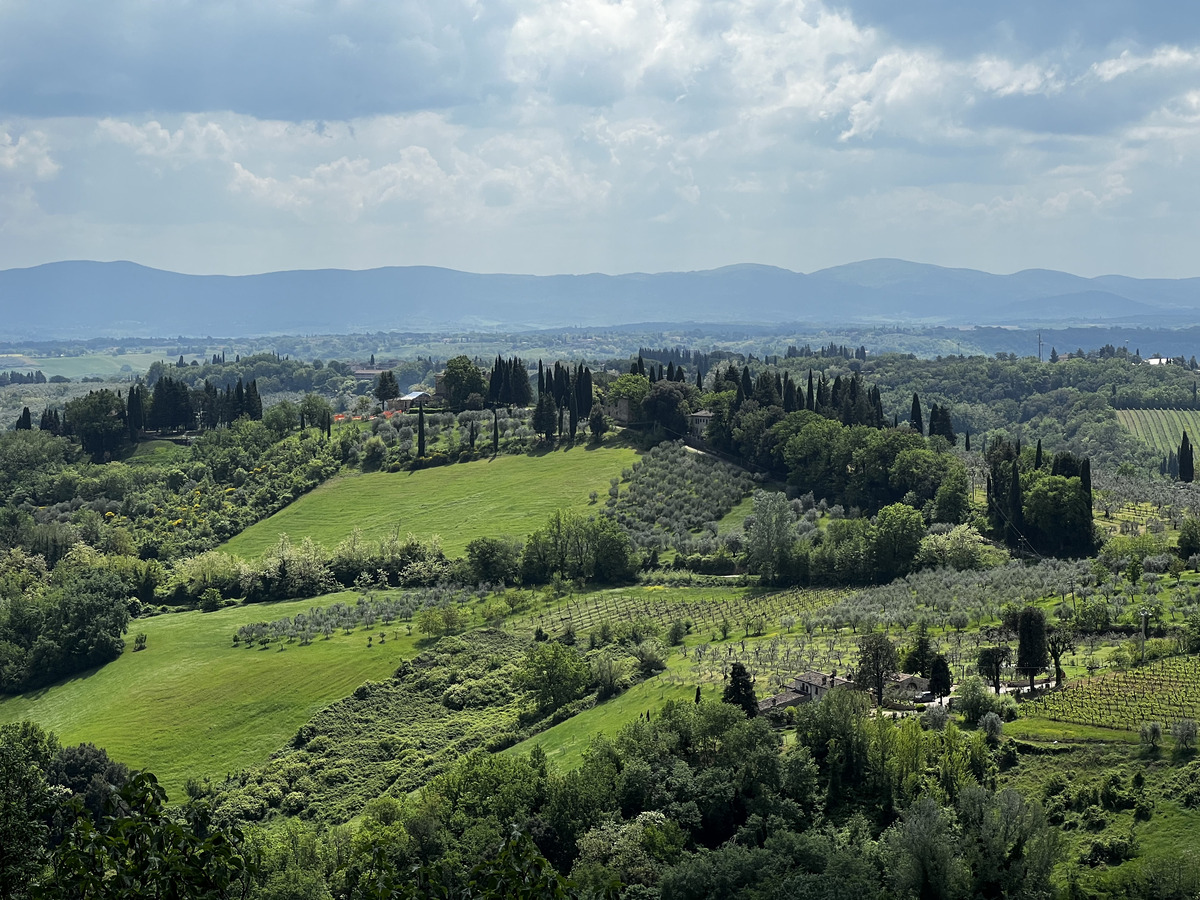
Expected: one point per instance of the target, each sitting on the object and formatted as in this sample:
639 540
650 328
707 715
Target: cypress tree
1187 463
914 416
544 418
809 399
968 442
1037 457
670 371
495 432
789 395
1016 516
700 382
747 384
740 691
421 429
1032 656
541 380
562 385
25 420
254 407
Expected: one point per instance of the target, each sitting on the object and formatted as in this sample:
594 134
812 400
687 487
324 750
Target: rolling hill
81 298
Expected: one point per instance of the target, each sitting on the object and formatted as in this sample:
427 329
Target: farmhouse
409 400
698 422
808 686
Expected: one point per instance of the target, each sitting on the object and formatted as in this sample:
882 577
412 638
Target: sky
571 136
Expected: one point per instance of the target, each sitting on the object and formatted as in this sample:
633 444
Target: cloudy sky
549 136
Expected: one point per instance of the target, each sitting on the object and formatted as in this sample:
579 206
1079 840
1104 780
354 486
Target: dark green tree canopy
740 691
877 662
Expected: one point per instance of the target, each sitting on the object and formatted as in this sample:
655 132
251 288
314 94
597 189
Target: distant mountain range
91 299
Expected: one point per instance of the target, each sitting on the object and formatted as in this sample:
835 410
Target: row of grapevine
724 614
1166 691
1161 429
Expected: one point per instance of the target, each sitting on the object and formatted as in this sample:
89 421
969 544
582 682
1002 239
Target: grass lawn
96 364
565 742
504 495
191 704
736 516
1039 730
157 453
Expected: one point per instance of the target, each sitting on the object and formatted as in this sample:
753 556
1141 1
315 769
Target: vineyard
772 635
724 613
1161 429
1165 692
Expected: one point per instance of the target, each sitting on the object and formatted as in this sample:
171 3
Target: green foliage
99 422
494 560
672 493
76 624
961 547
386 387
739 691
141 849
573 547
877 661
1032 654
895 538
26 802
462 379
389 737
553 675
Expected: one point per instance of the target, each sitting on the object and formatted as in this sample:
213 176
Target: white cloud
29 153
1162 58
1004 77
570 135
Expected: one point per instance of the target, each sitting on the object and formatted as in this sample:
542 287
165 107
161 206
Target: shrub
1184 733
992 726
935 717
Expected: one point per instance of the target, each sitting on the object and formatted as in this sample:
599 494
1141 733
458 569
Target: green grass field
566 742
1161 429
91 365
157 453
191 704
504 495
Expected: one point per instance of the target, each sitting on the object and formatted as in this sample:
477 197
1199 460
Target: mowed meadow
192 704
511 495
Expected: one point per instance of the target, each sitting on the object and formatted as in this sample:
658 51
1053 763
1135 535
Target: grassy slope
565 742
192 705
505 495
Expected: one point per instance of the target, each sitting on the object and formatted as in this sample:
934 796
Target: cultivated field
503 495
1161 429
1164 692
191 704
